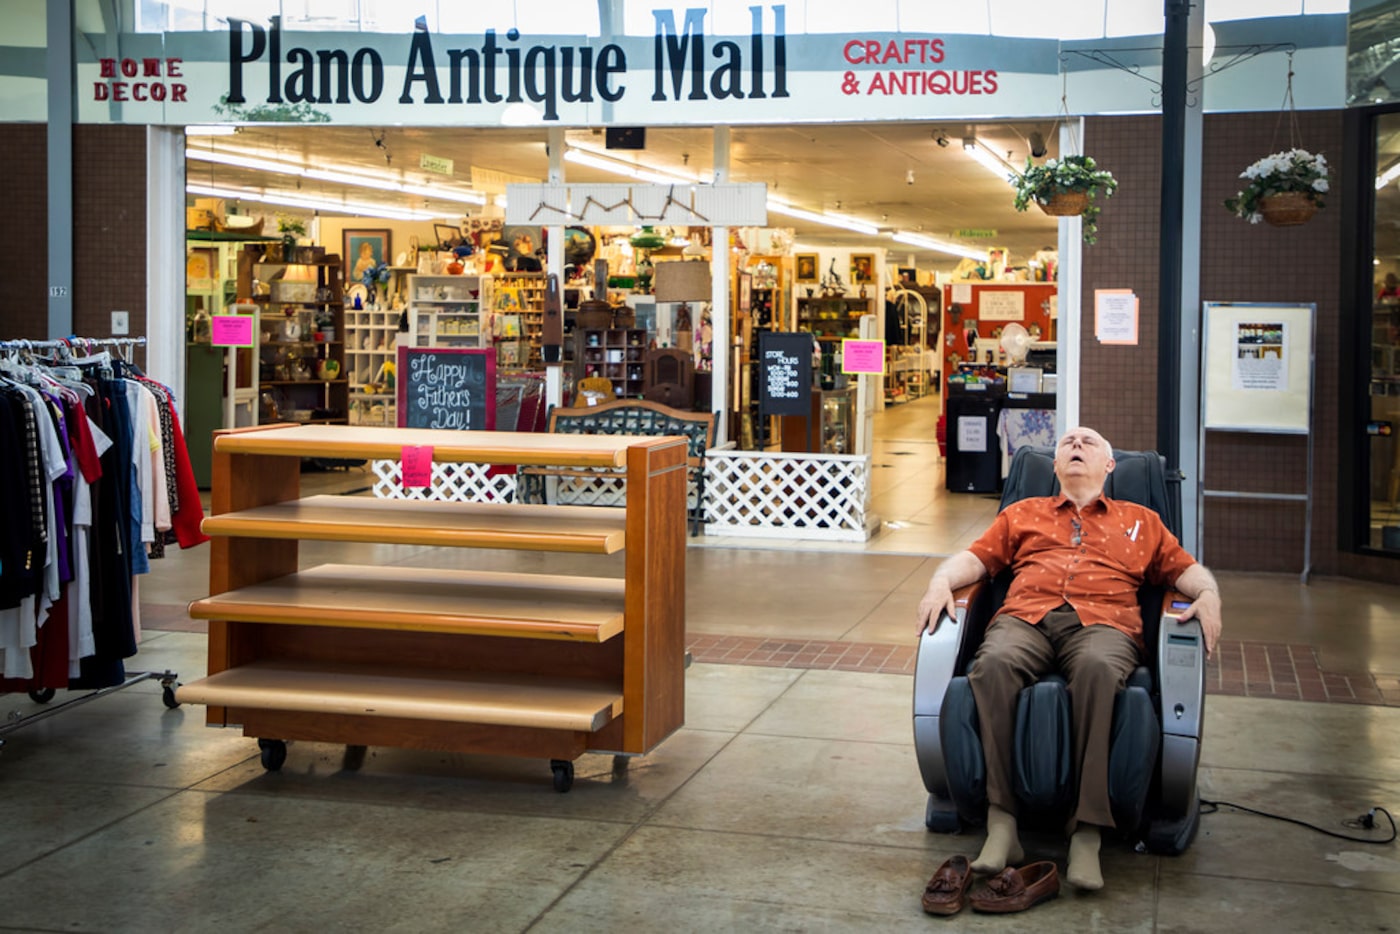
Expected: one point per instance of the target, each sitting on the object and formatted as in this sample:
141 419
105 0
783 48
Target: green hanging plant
1064 187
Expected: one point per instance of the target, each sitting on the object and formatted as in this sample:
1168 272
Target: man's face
1083 454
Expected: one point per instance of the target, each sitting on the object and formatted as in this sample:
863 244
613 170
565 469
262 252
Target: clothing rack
169 680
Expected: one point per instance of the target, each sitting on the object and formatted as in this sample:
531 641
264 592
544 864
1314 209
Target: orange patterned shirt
1094 559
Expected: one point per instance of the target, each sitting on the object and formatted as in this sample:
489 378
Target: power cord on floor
1365 821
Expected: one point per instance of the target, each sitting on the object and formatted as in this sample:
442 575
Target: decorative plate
354 290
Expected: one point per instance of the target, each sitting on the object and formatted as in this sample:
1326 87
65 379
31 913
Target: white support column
1068 331
554 261
165 257
719 299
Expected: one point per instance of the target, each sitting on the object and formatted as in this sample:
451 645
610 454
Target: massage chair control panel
1181 665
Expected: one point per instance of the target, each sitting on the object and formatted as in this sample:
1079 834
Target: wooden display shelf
587 530
458 697
480 447
486 603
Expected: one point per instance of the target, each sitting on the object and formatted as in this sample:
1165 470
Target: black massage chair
1157 717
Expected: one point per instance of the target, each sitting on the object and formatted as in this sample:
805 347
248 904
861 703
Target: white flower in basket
1296 173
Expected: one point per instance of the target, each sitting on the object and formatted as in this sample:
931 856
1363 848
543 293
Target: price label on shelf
416 465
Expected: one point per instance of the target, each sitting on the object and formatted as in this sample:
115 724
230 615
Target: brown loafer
1017 889
944 893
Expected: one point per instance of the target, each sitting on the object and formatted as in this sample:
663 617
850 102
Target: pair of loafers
1013 889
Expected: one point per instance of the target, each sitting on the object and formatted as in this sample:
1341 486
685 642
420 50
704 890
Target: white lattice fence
455 482
778 495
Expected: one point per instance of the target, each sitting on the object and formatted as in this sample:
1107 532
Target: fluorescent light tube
313 203
941 246
839 221
978 152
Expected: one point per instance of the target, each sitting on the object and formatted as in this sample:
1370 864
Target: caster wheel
354 758
563 771
167 696
41 696
274 753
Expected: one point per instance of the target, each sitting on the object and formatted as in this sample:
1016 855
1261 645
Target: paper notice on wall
1001 306
972 434
1115 316
962 294
1261 356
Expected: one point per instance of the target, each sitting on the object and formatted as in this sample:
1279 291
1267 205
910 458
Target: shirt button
1071 577
1082 550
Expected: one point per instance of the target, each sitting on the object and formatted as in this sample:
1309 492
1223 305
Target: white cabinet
449 311
371 339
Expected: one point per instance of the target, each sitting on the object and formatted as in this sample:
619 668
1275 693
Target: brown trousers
1095 660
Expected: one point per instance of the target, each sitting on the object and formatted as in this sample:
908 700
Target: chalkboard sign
784 373
447 387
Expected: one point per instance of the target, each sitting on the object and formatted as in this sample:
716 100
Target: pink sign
417 465
231 331
862 356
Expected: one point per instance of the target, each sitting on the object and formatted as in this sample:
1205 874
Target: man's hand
1199 584
960 570
1206 609
937 600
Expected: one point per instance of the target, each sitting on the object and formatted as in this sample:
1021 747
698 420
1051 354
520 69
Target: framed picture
862 267
807 267
447 236
364 249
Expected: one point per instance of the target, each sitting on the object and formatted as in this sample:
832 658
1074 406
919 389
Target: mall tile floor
790 801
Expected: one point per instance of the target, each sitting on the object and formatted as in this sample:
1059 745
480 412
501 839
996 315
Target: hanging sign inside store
975 233
785 373
440 165
862 356
447 387
233 330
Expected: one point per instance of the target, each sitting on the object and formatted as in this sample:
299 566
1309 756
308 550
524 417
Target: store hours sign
785 373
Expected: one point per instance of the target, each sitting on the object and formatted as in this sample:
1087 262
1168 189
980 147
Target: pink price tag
417 465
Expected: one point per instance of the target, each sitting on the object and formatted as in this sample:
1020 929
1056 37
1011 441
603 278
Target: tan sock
1083 871
1002 846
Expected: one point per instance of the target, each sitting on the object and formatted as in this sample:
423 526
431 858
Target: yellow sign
975 233
435 164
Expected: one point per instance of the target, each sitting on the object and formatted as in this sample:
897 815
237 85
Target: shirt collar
1099 503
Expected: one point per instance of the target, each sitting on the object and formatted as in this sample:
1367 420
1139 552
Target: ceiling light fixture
312 203
840 221
941 246
582 156
979 152
279 167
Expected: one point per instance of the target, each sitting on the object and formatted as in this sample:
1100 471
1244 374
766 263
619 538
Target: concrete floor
790 801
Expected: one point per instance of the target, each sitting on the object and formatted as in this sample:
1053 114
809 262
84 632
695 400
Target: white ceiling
860 170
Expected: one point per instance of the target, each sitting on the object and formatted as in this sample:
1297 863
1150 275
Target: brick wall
1240 262
23 237
108 236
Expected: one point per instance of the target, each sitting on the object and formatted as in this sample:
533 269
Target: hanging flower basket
1284 189
1064 188
1287 209
1065 204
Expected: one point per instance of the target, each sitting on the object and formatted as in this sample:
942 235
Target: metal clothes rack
168 679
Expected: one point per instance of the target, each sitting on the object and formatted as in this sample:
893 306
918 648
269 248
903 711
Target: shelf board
481 447
420 694
489 603
519 526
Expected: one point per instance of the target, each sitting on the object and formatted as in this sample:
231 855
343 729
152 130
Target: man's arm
1199 584
960 570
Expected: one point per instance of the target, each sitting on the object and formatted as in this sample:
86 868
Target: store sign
862 356
447 387
974 233
439 165
785 373
233 330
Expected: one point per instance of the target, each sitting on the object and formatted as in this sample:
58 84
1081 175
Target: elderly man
1079 559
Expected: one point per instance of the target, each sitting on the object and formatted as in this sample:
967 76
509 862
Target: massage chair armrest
1180 657
942 647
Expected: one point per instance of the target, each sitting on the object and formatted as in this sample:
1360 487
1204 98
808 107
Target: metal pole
58 60
1169 307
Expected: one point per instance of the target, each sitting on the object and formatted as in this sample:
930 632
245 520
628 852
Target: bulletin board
1257 368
